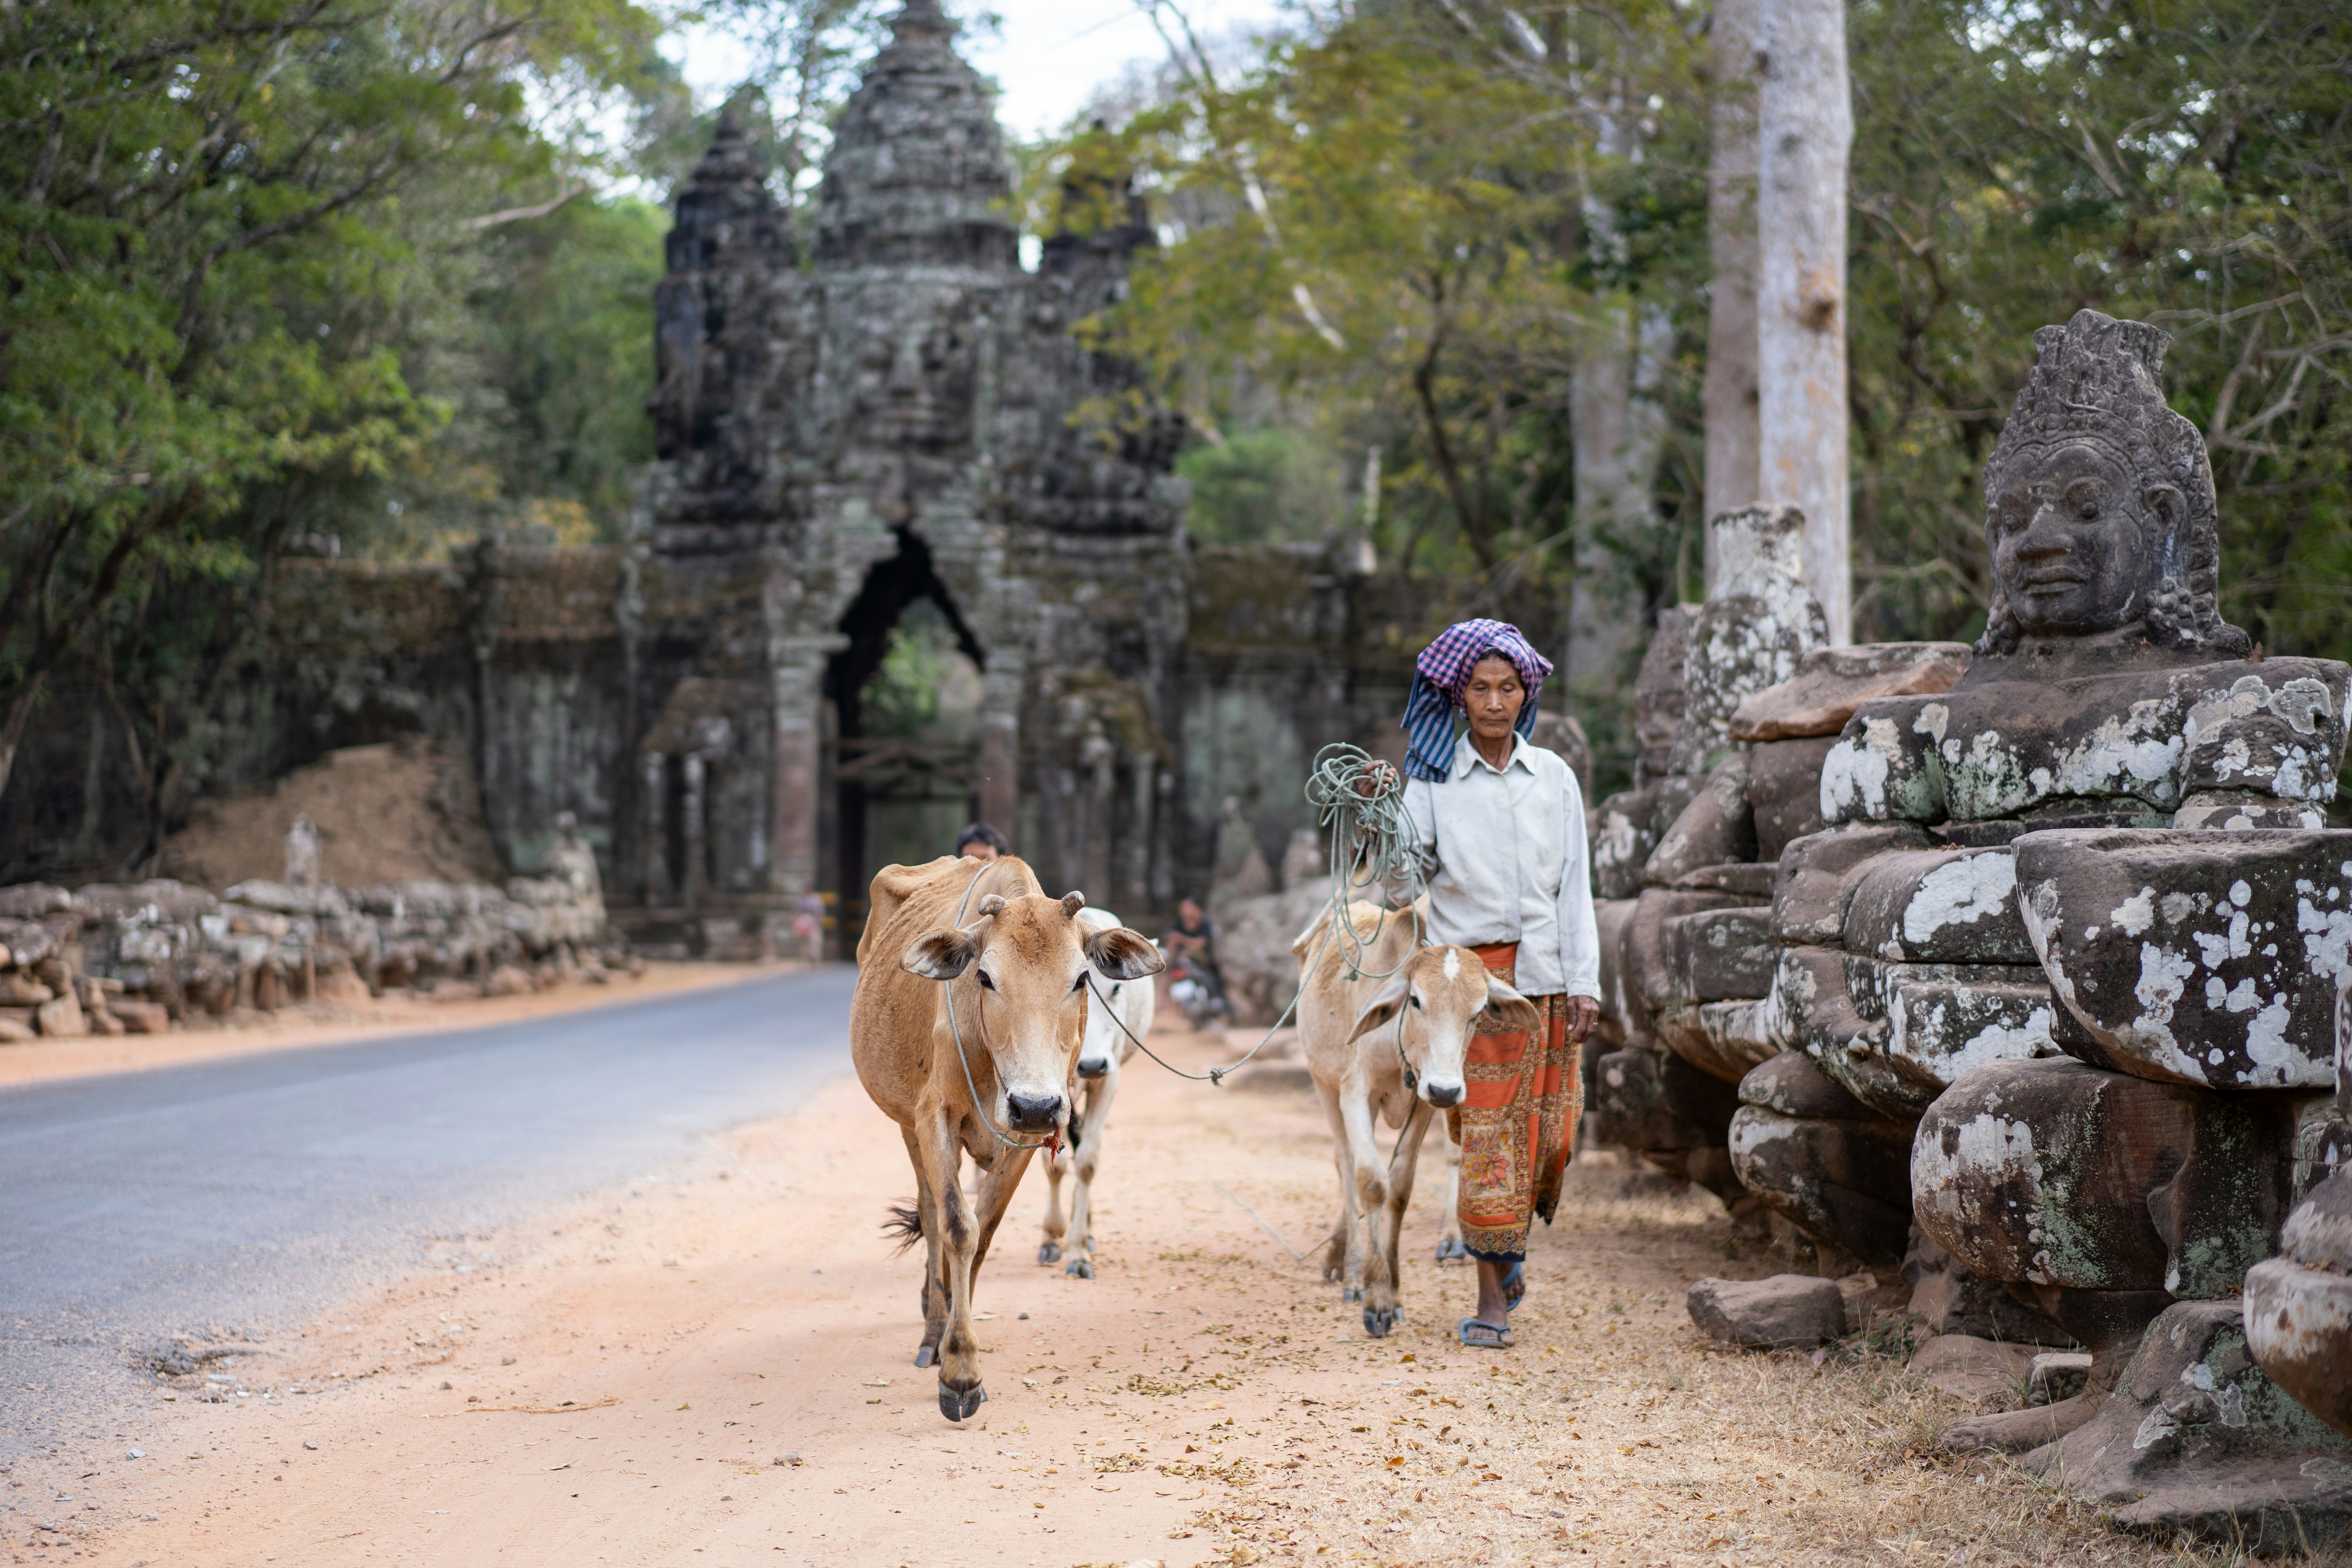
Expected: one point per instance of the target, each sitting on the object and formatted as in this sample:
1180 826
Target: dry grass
1616 1434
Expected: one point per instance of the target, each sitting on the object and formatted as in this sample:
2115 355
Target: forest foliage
1384 235
367 278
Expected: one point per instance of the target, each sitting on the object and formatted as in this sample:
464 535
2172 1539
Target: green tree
2181 163
204 238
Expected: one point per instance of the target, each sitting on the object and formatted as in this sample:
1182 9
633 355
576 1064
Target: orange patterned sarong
1515 1122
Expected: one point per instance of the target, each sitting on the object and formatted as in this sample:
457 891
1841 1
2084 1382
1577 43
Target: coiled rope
1373 848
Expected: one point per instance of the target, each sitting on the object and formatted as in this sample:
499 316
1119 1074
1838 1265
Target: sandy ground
714 1361
395 1014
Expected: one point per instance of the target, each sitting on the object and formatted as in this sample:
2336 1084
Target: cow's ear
1385 1005
1118 954
992 903
1508 1008
1072 902
941 954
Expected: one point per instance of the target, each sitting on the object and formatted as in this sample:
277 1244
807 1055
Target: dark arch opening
883 774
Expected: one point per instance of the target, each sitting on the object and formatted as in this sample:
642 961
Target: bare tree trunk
1805 117
1616 432
1727 399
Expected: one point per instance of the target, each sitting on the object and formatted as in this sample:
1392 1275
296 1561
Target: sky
1046 55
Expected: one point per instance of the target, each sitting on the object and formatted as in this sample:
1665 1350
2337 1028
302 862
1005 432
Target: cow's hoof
1330 1274
1049 1253
1451 1250
1080 1269
958 1407
926 1355
1379 1321
1351 1295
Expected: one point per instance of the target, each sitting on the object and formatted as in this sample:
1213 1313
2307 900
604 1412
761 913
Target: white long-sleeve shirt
1505 860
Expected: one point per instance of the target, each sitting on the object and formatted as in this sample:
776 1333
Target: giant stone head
2099 508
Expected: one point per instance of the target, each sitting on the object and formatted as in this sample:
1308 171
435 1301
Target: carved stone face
2071 544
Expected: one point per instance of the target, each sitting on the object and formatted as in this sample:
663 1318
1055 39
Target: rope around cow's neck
1372 832
1053 1138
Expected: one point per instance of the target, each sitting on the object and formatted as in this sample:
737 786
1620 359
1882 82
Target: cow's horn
1072 904
991 904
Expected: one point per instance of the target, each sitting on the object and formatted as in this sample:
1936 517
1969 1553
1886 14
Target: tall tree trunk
1616 433
1727 399
1805 120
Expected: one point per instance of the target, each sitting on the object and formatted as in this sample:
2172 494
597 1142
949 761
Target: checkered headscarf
1440 674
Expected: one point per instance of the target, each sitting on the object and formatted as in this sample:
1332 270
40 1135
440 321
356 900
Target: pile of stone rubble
146 957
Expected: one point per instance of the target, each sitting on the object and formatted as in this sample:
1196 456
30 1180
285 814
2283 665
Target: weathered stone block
1946 1019
1752 880
2299 1305
2111 746
62 1017
1784 791
1787 1311
1717 955
2195 1437
1647 1102
1715 827
1791 1084
1816 874
1830 683
2056 1173
1948 906
1811 1010
1624 830
1624 1013
1757 623
141 1018
1645 957
2200 957
1739 1034
1838 1181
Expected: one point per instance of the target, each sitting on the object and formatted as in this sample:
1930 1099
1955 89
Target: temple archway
904 697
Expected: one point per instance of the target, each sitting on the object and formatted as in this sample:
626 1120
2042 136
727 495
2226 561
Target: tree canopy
1396 231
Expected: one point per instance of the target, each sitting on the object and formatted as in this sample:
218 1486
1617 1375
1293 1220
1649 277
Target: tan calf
1388 1041
969 951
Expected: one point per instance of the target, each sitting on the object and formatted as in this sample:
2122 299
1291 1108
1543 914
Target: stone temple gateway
907 418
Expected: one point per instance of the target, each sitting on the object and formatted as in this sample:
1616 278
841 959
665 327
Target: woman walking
1501 828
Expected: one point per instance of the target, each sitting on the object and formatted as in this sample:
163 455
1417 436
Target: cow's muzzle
1443 1095
1092 1067
1034 1113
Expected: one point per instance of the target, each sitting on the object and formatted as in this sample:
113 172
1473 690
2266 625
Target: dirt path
715 1363
38 1061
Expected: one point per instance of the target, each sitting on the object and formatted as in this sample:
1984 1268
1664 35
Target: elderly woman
1501 825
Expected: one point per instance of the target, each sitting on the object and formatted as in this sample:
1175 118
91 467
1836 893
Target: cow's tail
905 1225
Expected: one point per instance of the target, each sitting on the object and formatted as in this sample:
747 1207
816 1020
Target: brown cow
967 958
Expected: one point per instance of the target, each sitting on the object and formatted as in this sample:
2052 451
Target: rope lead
1373 847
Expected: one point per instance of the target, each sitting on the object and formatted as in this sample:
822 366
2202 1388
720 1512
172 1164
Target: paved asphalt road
243 1194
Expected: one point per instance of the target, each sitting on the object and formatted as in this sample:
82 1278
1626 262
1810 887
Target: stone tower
907 418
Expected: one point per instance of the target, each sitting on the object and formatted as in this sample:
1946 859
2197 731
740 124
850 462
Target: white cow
1387 1039
1103 1051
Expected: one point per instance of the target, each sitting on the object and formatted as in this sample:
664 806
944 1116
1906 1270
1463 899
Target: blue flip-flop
1502 1331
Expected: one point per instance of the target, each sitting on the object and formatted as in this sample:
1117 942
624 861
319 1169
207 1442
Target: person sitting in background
1192 942
982 842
